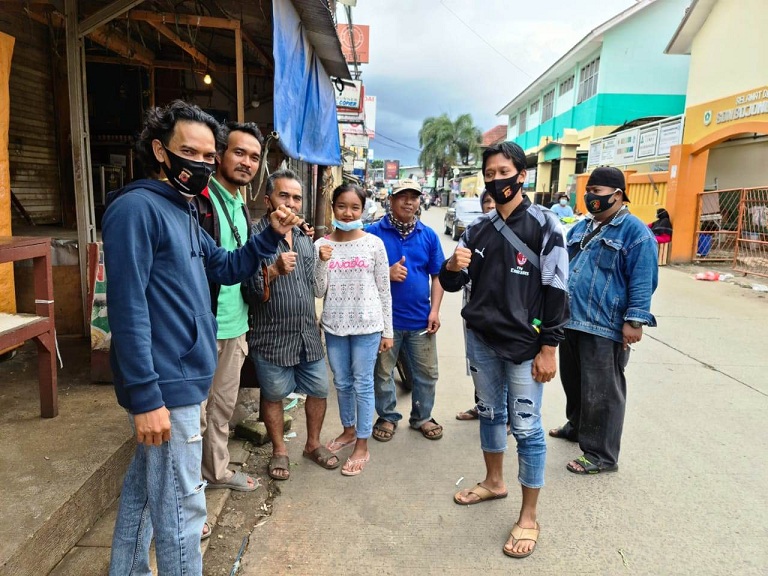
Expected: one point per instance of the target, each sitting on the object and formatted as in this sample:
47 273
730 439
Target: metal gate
733 227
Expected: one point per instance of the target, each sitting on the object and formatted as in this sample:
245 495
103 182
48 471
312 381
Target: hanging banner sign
359 38
646 147
350 99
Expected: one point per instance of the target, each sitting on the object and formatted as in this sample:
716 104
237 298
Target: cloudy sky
429 57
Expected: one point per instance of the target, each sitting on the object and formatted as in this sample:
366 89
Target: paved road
690 498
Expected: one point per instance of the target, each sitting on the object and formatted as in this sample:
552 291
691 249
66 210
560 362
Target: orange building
718 176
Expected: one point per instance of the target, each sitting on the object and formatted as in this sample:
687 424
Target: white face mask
563 202
348 226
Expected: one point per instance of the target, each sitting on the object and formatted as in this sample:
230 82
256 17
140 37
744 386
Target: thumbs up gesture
398 271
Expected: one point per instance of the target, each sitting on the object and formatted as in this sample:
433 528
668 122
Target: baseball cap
609 176
407 185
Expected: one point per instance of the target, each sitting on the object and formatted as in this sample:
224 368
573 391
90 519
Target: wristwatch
635 324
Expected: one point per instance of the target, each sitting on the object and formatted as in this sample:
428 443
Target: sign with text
353 123
391 169
646 144
646 147
705 119
350 99
354 43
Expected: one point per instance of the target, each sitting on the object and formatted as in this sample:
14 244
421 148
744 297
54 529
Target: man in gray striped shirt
285 344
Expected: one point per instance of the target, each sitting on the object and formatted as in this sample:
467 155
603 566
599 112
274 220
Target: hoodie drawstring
193 221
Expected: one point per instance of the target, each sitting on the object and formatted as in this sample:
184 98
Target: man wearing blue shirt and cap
415 257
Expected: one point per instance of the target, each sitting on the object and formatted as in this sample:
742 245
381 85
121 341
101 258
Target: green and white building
616 76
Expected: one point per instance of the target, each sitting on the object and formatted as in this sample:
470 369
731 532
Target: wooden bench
16 329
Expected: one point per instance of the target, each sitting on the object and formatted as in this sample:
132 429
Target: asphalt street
690 497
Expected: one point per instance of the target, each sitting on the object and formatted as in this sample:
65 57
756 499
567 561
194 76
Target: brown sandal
279 462
436 429
381 433
322 456
482 493
519 534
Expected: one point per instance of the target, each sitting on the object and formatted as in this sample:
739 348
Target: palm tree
444 142
467 138
437 144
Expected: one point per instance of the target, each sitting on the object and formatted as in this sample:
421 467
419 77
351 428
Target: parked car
461 214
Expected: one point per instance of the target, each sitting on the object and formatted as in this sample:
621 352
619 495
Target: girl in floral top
352 274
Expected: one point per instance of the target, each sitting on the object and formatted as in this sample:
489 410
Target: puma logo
481 252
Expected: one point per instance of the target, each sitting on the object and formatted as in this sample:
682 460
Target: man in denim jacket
613 274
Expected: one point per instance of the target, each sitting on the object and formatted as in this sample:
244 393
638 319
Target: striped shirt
286 331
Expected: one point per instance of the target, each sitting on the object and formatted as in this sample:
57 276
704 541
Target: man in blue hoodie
163 354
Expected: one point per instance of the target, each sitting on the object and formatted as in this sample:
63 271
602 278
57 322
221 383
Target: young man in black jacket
515 316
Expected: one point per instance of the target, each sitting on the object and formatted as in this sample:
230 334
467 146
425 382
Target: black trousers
592 373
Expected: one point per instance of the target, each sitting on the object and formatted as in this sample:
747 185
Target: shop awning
305 105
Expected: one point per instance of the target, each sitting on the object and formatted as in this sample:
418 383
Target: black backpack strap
232 226
515 240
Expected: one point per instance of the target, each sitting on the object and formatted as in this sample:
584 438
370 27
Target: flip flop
470 414
238 482
481 492
345 470
589 467
321 456
426 432
383 434
279 462
336 446
519 534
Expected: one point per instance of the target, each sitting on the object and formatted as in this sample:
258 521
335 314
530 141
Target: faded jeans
422 355
163 492
499 383
352 360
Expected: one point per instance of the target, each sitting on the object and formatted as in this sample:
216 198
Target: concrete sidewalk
690 497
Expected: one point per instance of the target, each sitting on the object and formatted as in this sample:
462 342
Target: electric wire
491 46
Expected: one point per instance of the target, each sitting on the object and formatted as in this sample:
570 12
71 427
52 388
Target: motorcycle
426 200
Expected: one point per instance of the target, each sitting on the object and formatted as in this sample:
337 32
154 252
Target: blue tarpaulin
305 104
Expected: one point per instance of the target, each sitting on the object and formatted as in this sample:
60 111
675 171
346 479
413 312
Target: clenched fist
325 252
459 260
398 271
283 220
285 263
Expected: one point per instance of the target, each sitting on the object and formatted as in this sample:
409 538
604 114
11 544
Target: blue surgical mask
563 202
348 226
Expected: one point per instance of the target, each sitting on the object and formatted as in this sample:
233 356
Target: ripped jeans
499 382
163 493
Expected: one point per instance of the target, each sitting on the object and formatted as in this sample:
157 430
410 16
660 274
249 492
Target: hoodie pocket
200 360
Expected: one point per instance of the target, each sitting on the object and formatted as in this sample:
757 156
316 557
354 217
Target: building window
522 123
588 80
512 121
548 110
566 85
535 107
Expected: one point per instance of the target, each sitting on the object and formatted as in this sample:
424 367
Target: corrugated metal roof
321 31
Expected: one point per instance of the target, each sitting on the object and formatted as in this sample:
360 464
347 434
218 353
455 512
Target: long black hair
339 190
160 123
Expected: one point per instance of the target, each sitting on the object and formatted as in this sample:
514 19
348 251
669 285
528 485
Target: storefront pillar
687 175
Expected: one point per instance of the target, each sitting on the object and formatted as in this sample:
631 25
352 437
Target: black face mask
504 190
187 176
597 203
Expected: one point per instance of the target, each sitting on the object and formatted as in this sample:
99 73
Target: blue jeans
162 491
352 360
498 383
422 356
